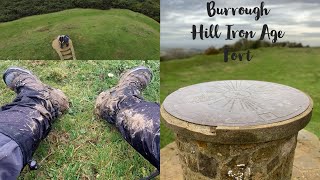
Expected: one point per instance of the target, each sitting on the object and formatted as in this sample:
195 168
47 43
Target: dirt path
67 53
306 164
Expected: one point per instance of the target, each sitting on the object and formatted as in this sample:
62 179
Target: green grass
96 34
80 145
298 68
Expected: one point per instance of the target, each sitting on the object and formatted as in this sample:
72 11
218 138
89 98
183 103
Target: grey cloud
313 24
312 34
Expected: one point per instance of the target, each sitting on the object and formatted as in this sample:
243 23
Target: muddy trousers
139 124
23 124
10 158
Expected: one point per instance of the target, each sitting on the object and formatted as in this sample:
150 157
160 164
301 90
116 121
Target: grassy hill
296 67
80 145
96 34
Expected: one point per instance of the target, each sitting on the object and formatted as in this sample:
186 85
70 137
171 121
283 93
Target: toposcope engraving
236 103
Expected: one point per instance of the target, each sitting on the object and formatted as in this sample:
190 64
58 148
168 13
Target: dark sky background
300 19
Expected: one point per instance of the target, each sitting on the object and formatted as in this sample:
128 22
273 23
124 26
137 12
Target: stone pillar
237 129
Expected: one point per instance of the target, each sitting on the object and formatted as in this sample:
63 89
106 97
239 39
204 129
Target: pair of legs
63 39
28 119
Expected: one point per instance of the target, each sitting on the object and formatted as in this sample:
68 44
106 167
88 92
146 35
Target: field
80 145
296 67
96 34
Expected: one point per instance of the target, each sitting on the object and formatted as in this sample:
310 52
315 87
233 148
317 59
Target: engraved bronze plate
236 103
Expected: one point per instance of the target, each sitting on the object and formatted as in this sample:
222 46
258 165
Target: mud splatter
136 122
32 126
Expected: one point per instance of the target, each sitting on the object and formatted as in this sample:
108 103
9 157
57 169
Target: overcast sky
300 19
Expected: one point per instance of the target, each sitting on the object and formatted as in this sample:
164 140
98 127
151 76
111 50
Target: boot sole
134 70
14 69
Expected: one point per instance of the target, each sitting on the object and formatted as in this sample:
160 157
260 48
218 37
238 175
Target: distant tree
15 9
211 51
256 44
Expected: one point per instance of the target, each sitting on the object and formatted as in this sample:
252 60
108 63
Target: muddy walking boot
28 119
137 120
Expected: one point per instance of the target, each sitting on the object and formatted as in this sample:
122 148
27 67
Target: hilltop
96 34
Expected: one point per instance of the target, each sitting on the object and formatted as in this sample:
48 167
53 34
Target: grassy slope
81 145
298 68
96 34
